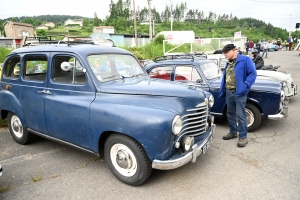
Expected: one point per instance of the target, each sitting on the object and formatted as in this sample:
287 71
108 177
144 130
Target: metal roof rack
182 57
51 39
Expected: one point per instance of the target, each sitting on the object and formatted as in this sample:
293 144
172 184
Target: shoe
229 136
242 142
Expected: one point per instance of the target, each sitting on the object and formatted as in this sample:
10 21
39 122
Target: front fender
152 128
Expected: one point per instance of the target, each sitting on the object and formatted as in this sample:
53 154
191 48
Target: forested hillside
121 17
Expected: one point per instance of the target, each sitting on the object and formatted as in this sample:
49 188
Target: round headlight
211 101
187 142
177 125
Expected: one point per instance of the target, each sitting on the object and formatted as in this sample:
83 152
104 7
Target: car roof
177 62
80 49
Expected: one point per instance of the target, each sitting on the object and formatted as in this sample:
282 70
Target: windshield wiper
135 75
109 77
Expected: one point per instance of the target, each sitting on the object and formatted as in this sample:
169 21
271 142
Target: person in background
257 59
247 47
265 47
279 43
251 45
290 42
258 46
286 44
239 51
238 77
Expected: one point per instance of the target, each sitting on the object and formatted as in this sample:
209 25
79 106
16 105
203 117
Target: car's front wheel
17 130
254 117
127 159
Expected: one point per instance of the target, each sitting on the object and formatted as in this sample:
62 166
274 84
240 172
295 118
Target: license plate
207 145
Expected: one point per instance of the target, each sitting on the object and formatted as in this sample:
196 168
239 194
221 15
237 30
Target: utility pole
134 19
171 16
150 20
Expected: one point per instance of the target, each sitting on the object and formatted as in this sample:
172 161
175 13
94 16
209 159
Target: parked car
146 62
290 88
272 47
265 100
137 123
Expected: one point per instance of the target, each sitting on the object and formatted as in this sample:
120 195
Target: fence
207 45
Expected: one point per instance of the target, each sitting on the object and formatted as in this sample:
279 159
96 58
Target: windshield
211 70
112 66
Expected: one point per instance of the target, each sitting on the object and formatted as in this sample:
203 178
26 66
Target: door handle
45 92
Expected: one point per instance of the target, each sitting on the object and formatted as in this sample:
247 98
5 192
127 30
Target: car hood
272 75
153 87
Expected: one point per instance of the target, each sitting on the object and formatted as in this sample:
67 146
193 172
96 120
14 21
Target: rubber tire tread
140 154
257 117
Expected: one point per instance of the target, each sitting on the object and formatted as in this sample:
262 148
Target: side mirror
199 80
66 66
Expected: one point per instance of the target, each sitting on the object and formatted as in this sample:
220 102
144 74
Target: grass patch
3 122
37 178
3 189
55 175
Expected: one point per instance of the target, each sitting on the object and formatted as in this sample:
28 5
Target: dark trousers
290 45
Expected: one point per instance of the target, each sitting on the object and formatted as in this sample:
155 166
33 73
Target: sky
280 13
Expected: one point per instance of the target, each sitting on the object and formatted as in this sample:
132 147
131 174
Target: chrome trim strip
183 159
59 141
213 113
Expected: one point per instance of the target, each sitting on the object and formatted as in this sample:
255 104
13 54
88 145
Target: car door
69 95
31 90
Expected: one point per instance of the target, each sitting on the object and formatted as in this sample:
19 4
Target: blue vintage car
138 123
265 100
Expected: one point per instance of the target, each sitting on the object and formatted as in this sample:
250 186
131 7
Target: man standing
258 46
265 47
290 41
251 45
238 77
247 47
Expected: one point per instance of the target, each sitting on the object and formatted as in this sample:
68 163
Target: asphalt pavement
267 168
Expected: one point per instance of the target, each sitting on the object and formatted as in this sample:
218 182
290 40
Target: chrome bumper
283 111
183 159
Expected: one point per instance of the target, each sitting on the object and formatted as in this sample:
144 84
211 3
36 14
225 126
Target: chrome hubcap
250 117
16 126
123 159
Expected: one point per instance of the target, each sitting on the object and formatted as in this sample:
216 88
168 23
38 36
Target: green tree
28 21
121 24
85 22
96 20
41 32
37 23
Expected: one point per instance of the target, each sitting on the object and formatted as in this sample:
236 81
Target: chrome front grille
195 123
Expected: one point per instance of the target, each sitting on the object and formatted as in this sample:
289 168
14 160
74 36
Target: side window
163 72
215 60
68 70
35 68
186 73
12 69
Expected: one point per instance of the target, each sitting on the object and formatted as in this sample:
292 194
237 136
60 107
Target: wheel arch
9 103
103 137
